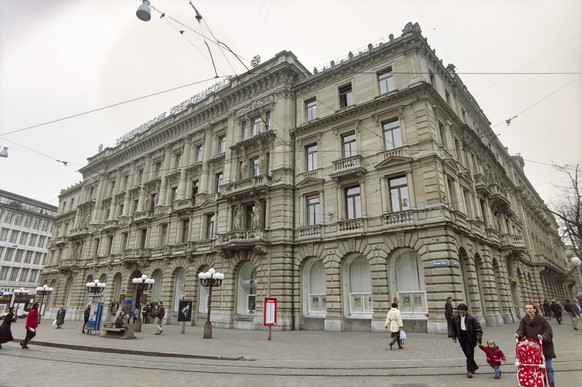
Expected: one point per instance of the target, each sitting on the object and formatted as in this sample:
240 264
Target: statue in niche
262 163
244 169
258 215
238 217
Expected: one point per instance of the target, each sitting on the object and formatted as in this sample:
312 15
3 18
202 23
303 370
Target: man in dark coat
61 313
557 311
449 315
468 331
547 309
535 327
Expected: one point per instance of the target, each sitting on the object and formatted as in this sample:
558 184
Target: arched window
246 295
157 288
179 290
408 283
314 288
357 286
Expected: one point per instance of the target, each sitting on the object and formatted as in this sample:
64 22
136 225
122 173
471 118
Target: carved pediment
310 181
393 160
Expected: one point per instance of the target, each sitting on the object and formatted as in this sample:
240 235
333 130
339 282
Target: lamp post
95 287
141 283
143 11
577 262
43 290
19 295
210 279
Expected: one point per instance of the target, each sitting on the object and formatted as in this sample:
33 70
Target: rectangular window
8 217
218 182
353 203
13 236
386 81
313 211
37 258
96 244
163 236
311 109
109 244
28 257
35 223
185 230
125 182
346 96
139 176
442 134
194 189
14 273
32 240
392 134
124 240
349 145
23 238
312 157
210 226
468 202
399 194
26 221
17 219
267 120
4 234
177 160
111 190
173 193
33 275
4 273
221 144
255 167
158 169
9 254
143 233
255 125
243 130
198 153
24 275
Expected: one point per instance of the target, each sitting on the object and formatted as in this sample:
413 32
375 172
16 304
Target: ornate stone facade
374 178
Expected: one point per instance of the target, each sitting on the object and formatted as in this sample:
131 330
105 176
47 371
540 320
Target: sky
77 74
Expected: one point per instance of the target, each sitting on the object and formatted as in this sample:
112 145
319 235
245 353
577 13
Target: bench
126 332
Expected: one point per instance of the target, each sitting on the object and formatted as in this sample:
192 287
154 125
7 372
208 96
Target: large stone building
335 191
25 230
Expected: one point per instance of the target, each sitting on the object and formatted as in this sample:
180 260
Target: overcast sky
63 58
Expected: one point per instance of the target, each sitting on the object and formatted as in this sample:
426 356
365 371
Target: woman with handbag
394 324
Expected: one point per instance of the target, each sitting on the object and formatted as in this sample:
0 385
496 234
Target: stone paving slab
333 351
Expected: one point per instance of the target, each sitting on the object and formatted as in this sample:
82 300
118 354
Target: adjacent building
25 230
334 190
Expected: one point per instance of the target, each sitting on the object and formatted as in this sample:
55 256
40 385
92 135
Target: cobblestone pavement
232 357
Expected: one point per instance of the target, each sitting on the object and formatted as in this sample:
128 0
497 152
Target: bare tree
568 209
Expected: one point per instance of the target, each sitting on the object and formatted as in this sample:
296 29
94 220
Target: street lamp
95 287
210 279
143 11
141 283
43 290
20 295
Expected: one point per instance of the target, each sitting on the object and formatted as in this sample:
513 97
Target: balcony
481 185
513 242
398 218
134 254
247 185
350 225
241 240
141 216
183 204
110 224
310 232
348 167
498 198
68 264
79 232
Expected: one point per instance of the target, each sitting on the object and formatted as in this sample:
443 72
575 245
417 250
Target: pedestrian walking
576 312
6 327
145 312
547 310
449 315
494 356
394 324
160 313
468 331
134 315
557 311
61 313
535 327
86 314
31 325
